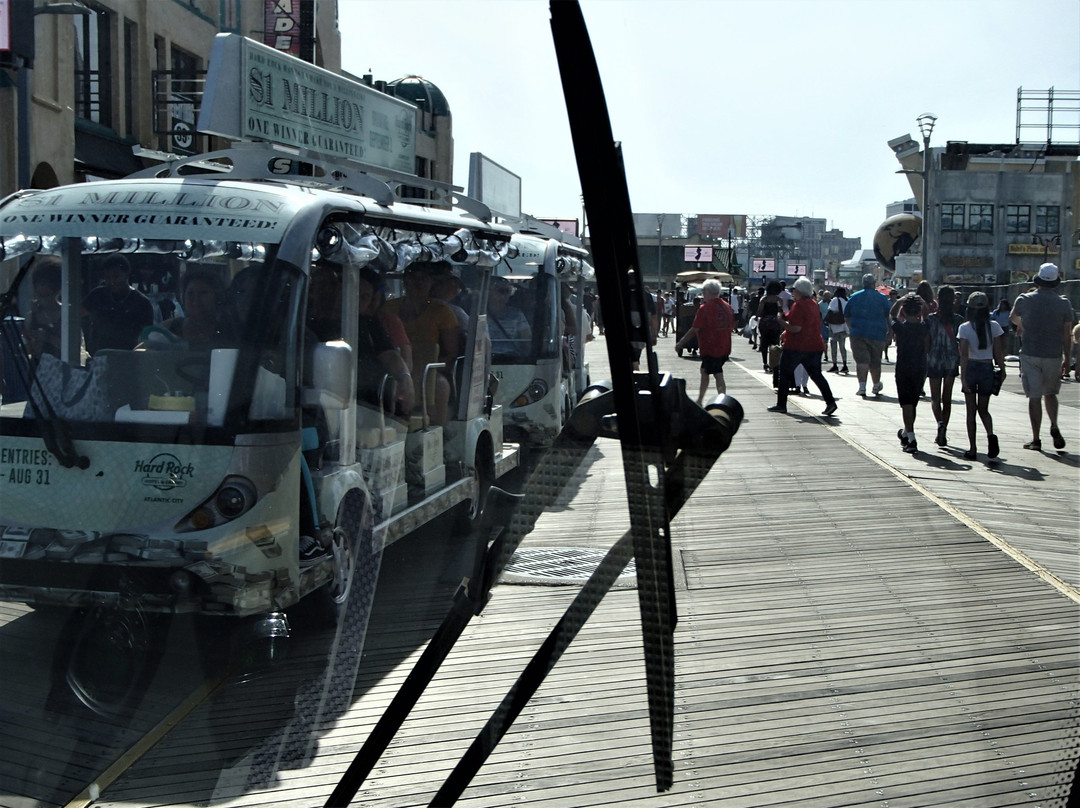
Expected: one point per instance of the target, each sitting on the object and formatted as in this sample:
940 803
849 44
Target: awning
699 276
99 150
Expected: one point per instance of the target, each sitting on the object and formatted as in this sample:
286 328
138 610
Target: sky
755 107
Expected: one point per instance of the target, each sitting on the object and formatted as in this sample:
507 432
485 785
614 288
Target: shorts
980 378
712 364
909 387
1040 375
867 351
935 372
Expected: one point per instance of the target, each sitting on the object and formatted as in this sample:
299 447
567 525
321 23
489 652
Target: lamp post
659 251
22 122
926 123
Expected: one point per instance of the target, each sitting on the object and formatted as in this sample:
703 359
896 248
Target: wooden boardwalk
857 628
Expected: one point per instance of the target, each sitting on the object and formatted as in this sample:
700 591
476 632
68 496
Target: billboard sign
721 225
698 254
495 186
253 92
288 27
764 266
796 270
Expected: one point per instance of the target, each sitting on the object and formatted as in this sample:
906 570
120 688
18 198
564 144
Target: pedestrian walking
712 327
770 324
1045 321
868 328
803 346
838 328
912 345
980 342
943 359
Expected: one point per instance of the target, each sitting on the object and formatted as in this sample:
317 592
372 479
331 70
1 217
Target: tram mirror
332 373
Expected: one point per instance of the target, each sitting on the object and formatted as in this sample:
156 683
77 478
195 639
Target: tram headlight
232 500
235 497
536 391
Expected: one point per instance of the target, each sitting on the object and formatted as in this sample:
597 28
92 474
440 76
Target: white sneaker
879 387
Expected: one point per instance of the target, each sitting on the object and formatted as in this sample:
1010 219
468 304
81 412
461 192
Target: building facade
131 73
997 212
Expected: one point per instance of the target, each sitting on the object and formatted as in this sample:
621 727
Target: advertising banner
721 225
796 270
5 25
569 226
255 93
698 254
764 266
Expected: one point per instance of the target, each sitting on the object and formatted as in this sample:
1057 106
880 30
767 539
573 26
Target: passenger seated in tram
205 323
507 325
434 334
376 354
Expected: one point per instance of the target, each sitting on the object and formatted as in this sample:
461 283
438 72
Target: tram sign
253 92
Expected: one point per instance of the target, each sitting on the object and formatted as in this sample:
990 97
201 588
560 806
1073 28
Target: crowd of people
938 338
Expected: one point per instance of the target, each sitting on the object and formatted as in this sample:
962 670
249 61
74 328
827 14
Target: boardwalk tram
541 369
187 471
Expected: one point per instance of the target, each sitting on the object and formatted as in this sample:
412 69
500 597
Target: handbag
835 317
999 379
75 394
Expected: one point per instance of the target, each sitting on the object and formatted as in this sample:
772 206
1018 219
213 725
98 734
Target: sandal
1034 444
1059 441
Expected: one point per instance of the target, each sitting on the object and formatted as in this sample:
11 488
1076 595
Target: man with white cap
1044 320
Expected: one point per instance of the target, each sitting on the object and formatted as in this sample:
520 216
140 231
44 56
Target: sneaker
833 369
777 408
912 447
844 370
1035 445
971 454
940 439
878 388
903 438
310 551
862 390
993 449
830 409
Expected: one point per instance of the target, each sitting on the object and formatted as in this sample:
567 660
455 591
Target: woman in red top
804 346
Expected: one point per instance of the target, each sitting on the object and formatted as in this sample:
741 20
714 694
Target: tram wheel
353 515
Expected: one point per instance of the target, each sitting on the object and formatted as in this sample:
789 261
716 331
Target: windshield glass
109 330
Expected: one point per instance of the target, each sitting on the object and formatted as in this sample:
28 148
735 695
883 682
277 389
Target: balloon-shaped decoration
895 236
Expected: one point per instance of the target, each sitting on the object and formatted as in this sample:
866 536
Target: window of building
93 79
981 218
131 39
1018 219
1047 219
952 217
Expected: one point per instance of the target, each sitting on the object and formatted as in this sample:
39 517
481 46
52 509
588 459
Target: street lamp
22 177
659 251
926 123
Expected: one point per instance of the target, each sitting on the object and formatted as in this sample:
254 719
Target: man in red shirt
803 345
712 327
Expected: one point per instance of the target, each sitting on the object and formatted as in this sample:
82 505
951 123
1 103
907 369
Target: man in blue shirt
867 315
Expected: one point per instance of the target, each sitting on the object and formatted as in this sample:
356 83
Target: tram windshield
149 332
